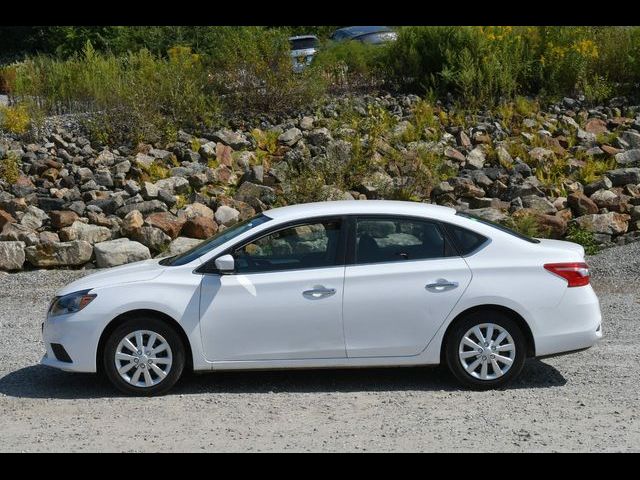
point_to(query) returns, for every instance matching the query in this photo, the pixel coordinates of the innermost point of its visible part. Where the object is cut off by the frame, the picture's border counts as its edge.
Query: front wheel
(485, 350)
(144, 356)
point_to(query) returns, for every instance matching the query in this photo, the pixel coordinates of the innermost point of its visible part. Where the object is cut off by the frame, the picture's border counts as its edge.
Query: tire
(496, 375)
(161, 370)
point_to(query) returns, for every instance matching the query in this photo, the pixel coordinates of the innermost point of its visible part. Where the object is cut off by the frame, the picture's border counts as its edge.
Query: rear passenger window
(394, 240)
(465, 240)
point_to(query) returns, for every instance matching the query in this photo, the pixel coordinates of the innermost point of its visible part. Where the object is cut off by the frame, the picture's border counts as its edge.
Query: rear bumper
(574, 324)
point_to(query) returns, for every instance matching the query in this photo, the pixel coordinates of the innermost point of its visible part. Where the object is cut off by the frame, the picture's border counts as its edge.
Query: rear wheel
(144, 356)
(486, 349)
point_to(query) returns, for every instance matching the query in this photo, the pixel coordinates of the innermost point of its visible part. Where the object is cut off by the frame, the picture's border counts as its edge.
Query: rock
(168, 223)
(607, 223)
(290, 137)
(63, 254)
(132, 222)
(181, 245)
(174, 185)
(144, 161)
(11, 255)
(149, 191)
(145, 208)
(540, 154)
(5, 218)
(200, 227)
(33, 218)
(62, 218)
(195, 210)
(623, 176)
(306, 123)
(119, 252)
(224, 155)
(49, 237)
(86, 232)
(235, 140)
(476, 158)
(630, 158)
(632, 138)
(491, 214)
(250, 192)
(320, 137)
(596, 126)
(556, 226)
(606, 199)
(226, 215)
(152, 237)
(538, 204)
(603, 183)
(454, 154)
(580, 204)
(14, 232)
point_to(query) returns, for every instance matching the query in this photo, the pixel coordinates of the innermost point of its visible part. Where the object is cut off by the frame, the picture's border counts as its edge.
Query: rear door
(402, 281)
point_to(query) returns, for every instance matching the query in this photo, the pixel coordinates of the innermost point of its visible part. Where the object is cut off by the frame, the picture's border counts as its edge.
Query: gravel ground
(583, 402)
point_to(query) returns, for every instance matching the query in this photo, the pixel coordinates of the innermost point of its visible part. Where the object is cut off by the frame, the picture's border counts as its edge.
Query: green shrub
(583, 237)
(251, 69)
(15, 119)
(10, 169)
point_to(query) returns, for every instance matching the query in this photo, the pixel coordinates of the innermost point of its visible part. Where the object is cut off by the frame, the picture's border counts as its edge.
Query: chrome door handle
(319, 292)
(441, 285)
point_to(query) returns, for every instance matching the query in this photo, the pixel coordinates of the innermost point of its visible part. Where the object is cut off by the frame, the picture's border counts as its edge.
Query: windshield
(303, 43)
(499, 227)
(215, 241)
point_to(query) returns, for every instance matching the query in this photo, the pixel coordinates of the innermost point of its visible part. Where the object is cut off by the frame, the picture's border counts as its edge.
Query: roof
(354, 207)
(303, 37)
(357, 31)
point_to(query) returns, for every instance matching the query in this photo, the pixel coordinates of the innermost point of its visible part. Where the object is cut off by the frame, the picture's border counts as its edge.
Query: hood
(564, 246)
(130, 273)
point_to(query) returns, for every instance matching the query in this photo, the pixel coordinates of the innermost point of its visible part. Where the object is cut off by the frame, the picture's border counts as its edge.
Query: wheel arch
(522, 323)
(123, 317)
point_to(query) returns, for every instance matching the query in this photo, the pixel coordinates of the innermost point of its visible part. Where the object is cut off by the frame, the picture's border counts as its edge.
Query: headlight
(72, 303)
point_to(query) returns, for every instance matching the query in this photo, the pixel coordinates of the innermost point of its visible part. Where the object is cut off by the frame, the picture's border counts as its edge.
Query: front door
(403, 282)
(284, 301)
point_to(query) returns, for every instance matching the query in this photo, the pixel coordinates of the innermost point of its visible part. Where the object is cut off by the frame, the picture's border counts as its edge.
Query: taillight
(576, 274)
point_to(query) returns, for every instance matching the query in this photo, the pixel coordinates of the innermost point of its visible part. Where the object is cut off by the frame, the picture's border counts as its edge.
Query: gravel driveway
(587, 401)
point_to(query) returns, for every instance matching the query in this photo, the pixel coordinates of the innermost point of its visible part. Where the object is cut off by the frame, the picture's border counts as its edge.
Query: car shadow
(43, 382)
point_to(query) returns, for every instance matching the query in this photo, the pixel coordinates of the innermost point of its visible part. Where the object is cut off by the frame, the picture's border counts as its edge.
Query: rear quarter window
(465, 241)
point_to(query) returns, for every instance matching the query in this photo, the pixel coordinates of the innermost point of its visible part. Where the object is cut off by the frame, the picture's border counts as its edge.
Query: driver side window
(310, 245)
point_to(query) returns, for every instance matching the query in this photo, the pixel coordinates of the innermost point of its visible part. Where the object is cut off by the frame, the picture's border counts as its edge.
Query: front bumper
(79, 334)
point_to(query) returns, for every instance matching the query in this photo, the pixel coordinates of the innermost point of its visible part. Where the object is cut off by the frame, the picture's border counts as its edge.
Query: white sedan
(333, 284)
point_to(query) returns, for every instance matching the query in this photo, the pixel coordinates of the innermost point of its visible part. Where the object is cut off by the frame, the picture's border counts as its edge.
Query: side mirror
(225, 264)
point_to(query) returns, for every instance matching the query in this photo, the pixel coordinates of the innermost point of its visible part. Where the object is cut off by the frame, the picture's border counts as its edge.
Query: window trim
(340, 253)
(350, 259)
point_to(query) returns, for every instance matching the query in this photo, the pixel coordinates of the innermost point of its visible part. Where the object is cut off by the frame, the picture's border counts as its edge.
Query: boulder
(606, 223)
(580, 204)
(195, 210)
(235, 140)
(174, 185)
(86, 232)
(132, 222)
(226, 215)
(538, 204)
(167, 222)
(11, 255)
(5, 218)
(290, 137)
(62, 254)
(200, 227)
(630, 158)
(181, 245)
(476, 158)
(18, 233)
(145, 208)
(152, 237)
(62, 218)
(632, 138)
(622, 176)
(119, 252)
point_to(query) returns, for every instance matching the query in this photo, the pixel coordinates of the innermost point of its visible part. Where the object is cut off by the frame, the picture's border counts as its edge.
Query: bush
(10, 169)
(583, 237)
(15, 119)
(252, 71)
(131, 98)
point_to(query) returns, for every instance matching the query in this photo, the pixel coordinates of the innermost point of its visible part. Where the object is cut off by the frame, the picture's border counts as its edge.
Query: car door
(284, 301)
(401, 282)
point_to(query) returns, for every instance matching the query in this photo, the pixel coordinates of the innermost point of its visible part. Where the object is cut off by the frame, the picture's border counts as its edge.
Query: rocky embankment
(75, 203)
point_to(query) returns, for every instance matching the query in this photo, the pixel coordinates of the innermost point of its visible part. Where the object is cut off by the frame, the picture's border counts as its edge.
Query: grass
(10, 169)
(15, 119)
(583, 237)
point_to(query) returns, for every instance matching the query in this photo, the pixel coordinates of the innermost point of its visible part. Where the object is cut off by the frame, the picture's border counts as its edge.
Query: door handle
(441, 285)
(318, 292)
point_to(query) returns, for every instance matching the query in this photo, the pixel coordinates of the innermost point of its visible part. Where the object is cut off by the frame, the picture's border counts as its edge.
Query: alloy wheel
(143, 358)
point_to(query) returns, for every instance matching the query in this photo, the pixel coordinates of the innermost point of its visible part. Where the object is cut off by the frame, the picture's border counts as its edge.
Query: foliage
(10, 169)
(583, 237)
(526, 224)
(15, 119)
